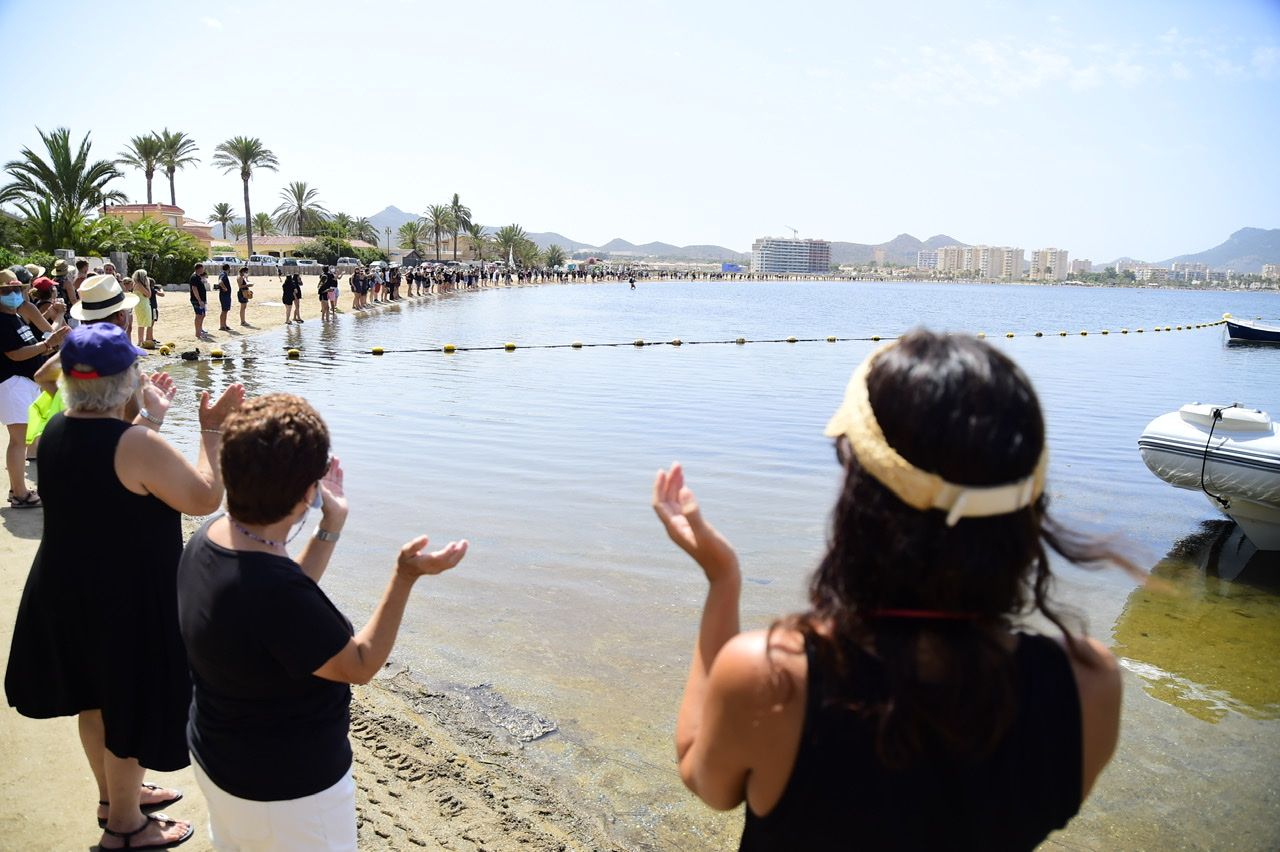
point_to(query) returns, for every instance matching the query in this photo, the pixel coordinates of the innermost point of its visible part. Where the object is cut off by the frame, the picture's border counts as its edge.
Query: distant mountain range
(1244, 251)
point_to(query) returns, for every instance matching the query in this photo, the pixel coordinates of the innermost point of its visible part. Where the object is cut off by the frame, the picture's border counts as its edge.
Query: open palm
(680, 514)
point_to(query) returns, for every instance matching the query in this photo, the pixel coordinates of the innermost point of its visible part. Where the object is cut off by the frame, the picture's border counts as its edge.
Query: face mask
(12, 300)
(317, 502)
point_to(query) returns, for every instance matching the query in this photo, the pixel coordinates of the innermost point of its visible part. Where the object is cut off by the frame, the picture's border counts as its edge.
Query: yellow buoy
(981, 334)
(1084, 333)
(791, 340)
(215, 353)
(831, 338)
(165, 350)
(875, 337)
(1008, 334)
(1166, 328)
(1062, 334)
(639, 342)
(740, 341)
(1124, 331)
(172, 345)
(510, 347)
(1039, 334)
(449, 347)
(1104, 331)
(377, 350)
(294, 354)
(677, 342)
(1138, 330)
(577, 344)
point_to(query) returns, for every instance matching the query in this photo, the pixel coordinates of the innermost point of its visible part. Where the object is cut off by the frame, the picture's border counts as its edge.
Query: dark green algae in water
(1205, 637)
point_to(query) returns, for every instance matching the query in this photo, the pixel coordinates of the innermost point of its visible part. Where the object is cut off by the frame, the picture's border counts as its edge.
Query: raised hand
(413, 562)
(213, 416)
(158, 390)
(678, 510)
(332, 494)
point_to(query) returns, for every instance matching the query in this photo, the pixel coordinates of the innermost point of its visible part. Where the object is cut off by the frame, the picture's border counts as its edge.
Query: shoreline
(430, 771)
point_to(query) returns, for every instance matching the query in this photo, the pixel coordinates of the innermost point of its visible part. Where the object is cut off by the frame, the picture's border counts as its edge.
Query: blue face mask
(12, 300)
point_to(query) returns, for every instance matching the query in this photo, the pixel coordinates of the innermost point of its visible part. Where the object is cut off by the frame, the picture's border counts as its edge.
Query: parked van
(348, 261)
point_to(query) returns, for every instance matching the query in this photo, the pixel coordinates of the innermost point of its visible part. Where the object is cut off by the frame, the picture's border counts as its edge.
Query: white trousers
(324, 820)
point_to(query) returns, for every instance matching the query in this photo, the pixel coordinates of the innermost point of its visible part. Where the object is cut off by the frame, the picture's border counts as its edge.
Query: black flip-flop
(146, 809)
(31, 501)
(161, 818)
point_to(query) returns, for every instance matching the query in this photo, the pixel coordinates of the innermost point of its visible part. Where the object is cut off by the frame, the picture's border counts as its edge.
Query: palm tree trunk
(437, 246)
(173, 196)
(149, 176)
(455, 245)
(248, 217)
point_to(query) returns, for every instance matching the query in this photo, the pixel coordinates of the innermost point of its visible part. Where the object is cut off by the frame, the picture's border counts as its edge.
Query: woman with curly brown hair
(271, 657)
(904, 709)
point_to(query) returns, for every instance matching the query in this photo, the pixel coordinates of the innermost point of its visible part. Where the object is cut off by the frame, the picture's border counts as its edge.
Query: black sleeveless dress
(840, 796)
(98, 624)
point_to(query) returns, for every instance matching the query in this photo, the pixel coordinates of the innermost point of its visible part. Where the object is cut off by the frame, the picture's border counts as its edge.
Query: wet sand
(431, 771)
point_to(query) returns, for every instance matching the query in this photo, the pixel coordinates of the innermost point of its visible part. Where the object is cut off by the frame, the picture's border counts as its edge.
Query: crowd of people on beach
(903, 708)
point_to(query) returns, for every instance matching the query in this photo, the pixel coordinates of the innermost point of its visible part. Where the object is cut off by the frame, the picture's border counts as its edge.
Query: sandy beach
(432, 771)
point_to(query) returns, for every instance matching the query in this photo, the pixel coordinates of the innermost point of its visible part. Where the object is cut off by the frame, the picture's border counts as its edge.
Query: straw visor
(920, 489)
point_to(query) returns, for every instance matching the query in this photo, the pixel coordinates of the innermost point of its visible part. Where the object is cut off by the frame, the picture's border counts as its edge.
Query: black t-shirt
(16, 334)
(198, 288)
(262, 726)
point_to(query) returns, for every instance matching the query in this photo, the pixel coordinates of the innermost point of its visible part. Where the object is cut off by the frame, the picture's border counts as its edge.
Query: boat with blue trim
(1251, 330)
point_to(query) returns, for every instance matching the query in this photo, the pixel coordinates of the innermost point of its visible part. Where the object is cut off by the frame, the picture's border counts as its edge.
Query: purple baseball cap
(98, 350)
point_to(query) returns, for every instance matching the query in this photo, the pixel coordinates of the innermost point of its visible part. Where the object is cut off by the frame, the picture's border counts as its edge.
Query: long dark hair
(936, 686)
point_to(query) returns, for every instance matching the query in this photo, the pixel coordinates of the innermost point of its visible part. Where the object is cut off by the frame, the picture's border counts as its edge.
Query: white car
(229, 259)
(308, 263)
(264, 260)
(348, 261)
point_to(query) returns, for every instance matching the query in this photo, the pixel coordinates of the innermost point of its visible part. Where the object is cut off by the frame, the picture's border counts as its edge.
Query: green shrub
(327, 250)
(368, 255)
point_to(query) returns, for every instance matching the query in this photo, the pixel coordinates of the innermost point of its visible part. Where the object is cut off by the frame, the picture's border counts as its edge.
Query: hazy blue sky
(1139, 128)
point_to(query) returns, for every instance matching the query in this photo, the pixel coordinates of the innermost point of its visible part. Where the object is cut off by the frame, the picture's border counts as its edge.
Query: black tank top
(840, 796)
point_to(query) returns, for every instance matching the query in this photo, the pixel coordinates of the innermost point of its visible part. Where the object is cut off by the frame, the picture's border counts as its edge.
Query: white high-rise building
(927, 259)
(1081, 266)
(1271, 270)
(778, 255)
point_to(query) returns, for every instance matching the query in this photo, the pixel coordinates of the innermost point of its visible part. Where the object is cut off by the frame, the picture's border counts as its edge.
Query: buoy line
(294, 353)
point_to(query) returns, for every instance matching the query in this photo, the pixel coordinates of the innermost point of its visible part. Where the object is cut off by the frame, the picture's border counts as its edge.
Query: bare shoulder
(761, 665)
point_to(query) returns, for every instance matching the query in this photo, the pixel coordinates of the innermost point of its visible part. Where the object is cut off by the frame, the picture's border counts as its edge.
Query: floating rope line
(294, 352)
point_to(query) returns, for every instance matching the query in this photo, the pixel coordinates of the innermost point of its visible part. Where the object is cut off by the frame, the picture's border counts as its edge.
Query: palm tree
(554, 257)
(412, 234)
(143, 154)
(177, 151)
(510, 239)
(55, 191)
(300, 209)
(461, 219)
(263, 225)
(478, 238)
(439, 220)
(222, 214)
(244, 154)
(237, 231)
(341, 225)
(363, 229)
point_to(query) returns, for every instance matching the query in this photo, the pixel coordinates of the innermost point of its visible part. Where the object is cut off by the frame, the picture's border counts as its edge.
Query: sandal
(31, 501)
(160, 818)
(146, 809)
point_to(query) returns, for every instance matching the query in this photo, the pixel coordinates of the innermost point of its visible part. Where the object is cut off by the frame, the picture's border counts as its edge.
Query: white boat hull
(1239, 465)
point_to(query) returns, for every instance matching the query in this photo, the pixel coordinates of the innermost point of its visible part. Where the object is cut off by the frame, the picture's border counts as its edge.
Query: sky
(1141, 129)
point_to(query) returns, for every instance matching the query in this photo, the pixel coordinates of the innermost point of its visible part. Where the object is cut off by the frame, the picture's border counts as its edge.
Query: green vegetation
(263, 226)
(222, 214)
(554, 256)
(143, 154)
(459, 218)
(439, 220)
(300, 211)
(244, 154)
(478, 239)
(412, 234)
(177, 151)
(325, 249)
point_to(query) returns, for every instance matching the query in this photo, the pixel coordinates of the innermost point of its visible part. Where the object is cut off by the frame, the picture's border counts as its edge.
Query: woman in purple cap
(97, 635)
(905, 709)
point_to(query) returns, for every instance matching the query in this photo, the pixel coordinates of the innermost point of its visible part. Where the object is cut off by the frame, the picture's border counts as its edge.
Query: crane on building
(795, 235)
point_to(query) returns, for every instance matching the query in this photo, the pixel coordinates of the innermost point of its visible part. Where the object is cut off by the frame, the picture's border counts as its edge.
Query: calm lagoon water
(574, 606)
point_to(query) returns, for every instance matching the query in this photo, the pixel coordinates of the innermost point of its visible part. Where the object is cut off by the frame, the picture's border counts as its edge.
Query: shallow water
(573, 605)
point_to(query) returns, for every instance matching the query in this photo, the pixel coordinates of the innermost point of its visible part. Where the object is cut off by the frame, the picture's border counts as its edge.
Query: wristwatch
(323, 534)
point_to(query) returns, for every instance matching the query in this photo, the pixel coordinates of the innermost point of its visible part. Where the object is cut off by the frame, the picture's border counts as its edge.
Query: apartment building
(927, 259)
(1049, 264)
(1271, 270)
(778, 255)
(1081, 267)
